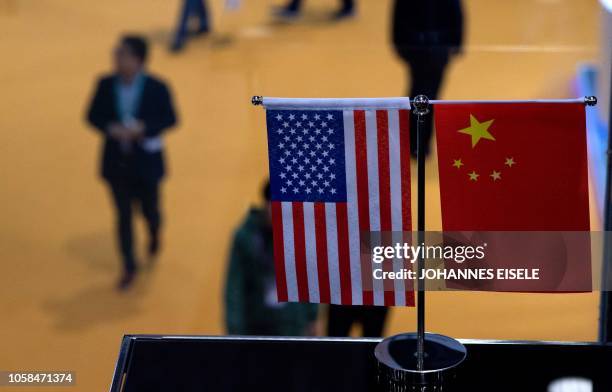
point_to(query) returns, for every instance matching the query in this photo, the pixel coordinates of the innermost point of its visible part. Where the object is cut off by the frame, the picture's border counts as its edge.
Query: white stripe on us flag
(372, 140)
(311, 252)
(351, 207)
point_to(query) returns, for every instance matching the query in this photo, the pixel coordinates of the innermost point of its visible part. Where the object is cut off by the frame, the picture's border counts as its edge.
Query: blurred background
(60, 306)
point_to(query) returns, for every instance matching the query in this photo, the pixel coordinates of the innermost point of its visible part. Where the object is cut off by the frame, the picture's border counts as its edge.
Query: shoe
(154, 246)
(177, 46)
(344, 13)
(285, 13)
(202, 30)
(126, 281)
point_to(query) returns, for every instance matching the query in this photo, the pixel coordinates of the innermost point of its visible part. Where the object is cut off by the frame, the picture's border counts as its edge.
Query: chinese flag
(513, 166)
(518, 168)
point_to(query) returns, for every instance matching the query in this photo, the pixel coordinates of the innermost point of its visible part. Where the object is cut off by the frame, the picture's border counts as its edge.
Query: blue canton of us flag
(306, 152)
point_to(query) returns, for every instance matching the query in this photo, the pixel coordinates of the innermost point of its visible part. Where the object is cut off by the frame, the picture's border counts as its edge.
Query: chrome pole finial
(590, 100)
(257, 100)
(421, 105)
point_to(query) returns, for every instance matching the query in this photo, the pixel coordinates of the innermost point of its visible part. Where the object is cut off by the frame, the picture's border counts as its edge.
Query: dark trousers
(125, 194)
(295, 5)
(342, 318)
(195, 8)
(426, 73)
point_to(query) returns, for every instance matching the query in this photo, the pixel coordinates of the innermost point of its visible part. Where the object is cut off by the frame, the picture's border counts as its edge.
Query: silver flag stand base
(398, 366)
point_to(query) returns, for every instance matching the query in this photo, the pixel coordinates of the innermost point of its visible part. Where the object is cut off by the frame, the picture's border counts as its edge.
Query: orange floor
(59, 265)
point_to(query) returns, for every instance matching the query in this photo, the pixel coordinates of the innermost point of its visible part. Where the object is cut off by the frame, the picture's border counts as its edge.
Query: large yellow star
(478, 130)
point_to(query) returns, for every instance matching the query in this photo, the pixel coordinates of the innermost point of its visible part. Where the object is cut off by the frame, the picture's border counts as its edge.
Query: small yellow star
(457, 163)
(510, 162)
(478, 130)
(473, 176)
(495, 175)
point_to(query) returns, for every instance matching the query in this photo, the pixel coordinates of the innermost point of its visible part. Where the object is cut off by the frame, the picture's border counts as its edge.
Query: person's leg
(202, 13)
(346, 10)
(373, 320)
(294, 5)
(182, 28)
(348, 5)
(289, 11)
(339, 320)
(426, 75)
(122, 198)
(149, 201)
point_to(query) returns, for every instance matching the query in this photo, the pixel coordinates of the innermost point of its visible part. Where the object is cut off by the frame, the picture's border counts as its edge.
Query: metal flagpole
(421, 109)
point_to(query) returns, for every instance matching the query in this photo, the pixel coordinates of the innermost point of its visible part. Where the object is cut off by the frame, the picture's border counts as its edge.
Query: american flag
(337, 173)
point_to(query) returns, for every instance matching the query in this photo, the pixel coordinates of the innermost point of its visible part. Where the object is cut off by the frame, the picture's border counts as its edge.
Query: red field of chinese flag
(513, 166)
(515, 174)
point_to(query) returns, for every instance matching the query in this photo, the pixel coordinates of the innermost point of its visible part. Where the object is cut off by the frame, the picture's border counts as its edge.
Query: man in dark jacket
(131, 110)
(251, 306)
(426, 34)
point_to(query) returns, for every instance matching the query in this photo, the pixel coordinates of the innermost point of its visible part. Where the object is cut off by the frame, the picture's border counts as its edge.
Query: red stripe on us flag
(343, 254)
(404, 124)
(363, 197)
(322, 260)
(409, 294)
(279, 251)
(300, 251)
(361, 161)
(384, 187)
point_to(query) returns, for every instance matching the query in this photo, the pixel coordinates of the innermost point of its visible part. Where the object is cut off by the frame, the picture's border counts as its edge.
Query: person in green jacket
(251, 306)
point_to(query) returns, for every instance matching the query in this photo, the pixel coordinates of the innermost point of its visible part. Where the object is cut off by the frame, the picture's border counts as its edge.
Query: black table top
(206, 363)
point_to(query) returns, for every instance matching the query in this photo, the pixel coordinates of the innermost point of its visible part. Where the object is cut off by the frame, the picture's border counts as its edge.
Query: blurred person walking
(292, 10)
(131, 109)
(251, 306)
(191, 9)
(426, 35)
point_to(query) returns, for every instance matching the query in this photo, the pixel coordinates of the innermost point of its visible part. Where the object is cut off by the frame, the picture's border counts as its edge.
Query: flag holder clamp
(590, 100)
(422, 362)
(257, 100)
